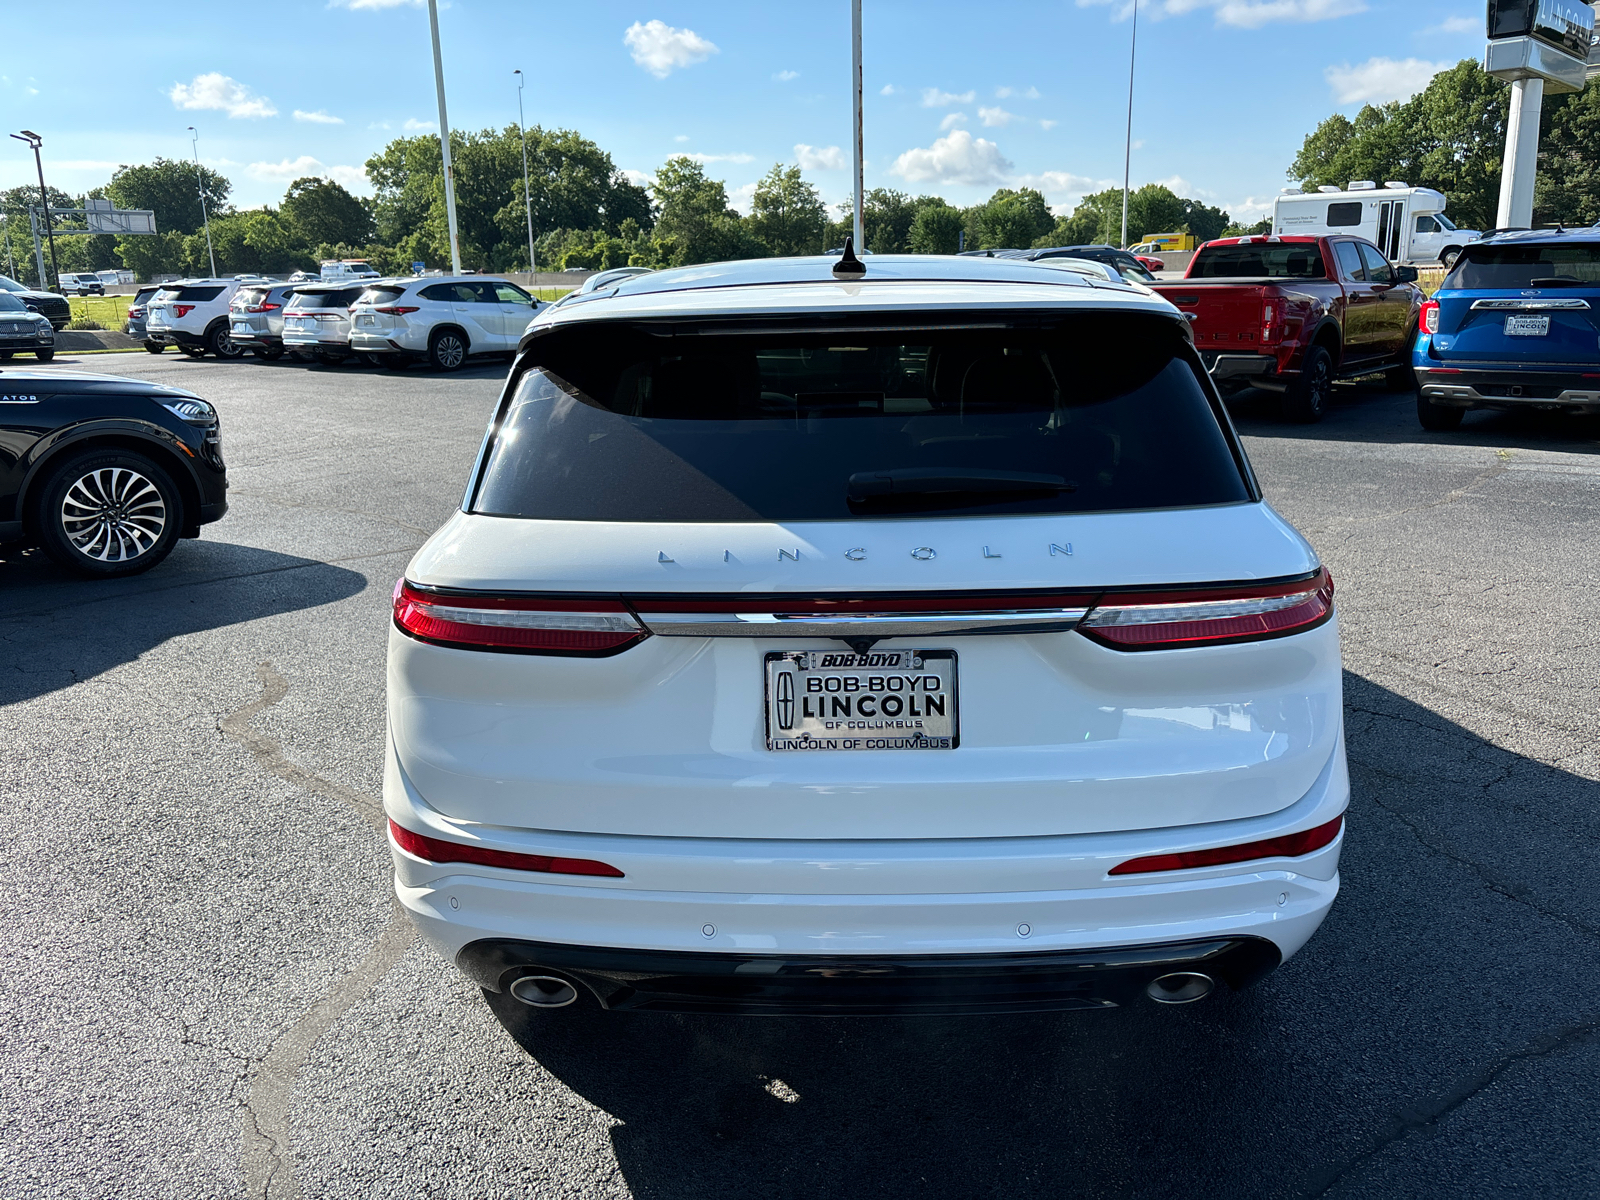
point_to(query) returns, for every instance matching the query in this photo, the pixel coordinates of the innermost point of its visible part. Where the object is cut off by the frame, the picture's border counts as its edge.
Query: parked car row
(441, 321)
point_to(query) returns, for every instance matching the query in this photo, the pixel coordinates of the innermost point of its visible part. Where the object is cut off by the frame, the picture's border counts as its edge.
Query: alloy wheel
(113, 514)
(448, 352)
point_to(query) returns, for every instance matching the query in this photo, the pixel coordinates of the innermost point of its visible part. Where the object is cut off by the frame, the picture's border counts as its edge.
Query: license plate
(879, 700)
(366, 320)
(243, 327)
(157, 322)
(1527, 326)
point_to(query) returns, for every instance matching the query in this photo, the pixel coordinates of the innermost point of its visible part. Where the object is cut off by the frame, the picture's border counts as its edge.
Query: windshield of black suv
(9, 303)
(612, 422)
(1489, 266)
(11, 285)
(1261, 260)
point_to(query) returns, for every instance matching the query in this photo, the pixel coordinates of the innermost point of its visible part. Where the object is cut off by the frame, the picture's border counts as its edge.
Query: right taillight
(516, 624)
(1213, 616)
(396, 310)
(1428, 319)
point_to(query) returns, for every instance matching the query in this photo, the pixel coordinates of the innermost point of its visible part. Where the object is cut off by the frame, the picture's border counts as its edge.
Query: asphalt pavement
(207, 991)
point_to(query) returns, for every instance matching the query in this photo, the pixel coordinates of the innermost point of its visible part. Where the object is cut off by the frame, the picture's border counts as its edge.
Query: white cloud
(740, 199)
(682, 137)
(380, 125)
(1457, 25)
(1241, 14)
(217, 91)
(1251, 206)
(320, 117)
(951, 120)
(661, 49)
(934, 98)
(1002, 93)
(996, 116)
(958, 157)
(785, 76)
(637, 178)
(1048, 125)
(289, 168)
(1062, 189)
(819, 158)
(887, 89)
(416, 126)
(350, 178)
(732, 158)
(1379, 80)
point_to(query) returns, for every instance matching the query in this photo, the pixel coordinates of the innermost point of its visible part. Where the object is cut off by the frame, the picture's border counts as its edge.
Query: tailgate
(1513, 327)
(1227, 315)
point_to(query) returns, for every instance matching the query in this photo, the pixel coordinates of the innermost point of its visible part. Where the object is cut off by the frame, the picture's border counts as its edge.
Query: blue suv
(1516, 324)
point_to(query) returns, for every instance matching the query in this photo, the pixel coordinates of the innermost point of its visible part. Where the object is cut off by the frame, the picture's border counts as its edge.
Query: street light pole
(855, 96)
(444, 140)
(35, 141)
(527, 190)
(1127, 152)
(200, 186)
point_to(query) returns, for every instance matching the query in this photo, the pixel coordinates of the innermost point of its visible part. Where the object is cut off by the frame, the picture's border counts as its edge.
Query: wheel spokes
(113, 514)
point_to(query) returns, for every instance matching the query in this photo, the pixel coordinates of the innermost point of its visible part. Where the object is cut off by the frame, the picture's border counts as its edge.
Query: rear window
(1551, 265)
(343, 298)
(143, 294)
(249, 297)
(197, 294)
(613, 423)
(380, 295)
(1296, 260)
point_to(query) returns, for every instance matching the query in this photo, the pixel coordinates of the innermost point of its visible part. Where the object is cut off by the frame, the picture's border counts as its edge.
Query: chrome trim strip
(1550, 304)
(842, 625)
(1462, 392)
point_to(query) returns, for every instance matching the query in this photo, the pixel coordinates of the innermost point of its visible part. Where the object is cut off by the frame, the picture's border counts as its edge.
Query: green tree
(168, 187)
(14, 203)
(936, 229)
(1011, 219)
(1568, 187)
(787, 214)
(319, 210)
(695, 224)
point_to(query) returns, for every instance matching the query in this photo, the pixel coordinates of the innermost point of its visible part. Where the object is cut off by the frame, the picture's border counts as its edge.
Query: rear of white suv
(192, 315)
(440, 322)
(916, 643)
(316, 321)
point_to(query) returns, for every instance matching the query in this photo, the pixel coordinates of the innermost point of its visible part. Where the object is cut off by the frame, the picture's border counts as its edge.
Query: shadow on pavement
(57, 629)
(1370, 413)
(1349, 1069)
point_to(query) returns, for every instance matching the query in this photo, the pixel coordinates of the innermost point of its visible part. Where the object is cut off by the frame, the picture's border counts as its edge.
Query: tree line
(586, 213)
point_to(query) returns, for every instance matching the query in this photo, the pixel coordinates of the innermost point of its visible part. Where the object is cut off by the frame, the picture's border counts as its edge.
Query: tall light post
(527, 189)
(444, 140)
(1127, 151)
(34, 142)
(200, 185)
(855, 100)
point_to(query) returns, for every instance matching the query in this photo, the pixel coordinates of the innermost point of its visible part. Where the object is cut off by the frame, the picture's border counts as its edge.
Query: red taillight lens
(397, 310)
(1290, 845)
(1428, 318)
(182, 310)
(440, 851)
(1170, 620)
(259, 308)
(1268, 327)
(529, 625)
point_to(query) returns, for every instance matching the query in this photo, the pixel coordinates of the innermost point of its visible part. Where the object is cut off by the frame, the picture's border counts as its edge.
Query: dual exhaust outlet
(551, 991)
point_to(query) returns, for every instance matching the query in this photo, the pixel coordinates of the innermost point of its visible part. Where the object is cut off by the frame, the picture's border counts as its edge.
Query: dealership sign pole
(1538, 47)
(444, 140)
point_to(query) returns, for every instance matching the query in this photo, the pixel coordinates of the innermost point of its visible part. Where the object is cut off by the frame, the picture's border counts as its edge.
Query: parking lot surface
(207, 991)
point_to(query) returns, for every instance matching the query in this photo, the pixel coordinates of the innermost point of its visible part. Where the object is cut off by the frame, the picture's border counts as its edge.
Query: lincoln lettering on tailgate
(873, 700)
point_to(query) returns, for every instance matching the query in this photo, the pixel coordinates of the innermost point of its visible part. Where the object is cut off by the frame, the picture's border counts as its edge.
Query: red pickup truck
(1293, 314)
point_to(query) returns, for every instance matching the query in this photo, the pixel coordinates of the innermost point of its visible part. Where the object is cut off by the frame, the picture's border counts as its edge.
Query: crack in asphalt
(1429, 1116)
(266, 1156)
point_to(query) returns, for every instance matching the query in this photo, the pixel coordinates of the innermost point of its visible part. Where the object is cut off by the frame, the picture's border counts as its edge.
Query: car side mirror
(1405, 274)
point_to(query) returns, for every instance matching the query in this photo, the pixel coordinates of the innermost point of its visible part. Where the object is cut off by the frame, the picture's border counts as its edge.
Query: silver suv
(255, 318)
(440, 321)
(316, 321)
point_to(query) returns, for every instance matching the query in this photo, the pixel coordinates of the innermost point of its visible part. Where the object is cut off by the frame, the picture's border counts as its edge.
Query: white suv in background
(192, 315)
(316, 321)
(914, 641)
(440, 321)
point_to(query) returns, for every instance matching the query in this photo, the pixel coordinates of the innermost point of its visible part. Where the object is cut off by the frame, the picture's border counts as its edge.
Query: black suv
(106, 473)
(51, 305)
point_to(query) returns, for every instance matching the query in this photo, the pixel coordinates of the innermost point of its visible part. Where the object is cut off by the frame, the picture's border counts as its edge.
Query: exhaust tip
(545, 991)
(1180, 987)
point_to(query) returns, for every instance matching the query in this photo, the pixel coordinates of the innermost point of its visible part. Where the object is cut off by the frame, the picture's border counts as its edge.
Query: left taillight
(1209, 617)
(437, 850)
(1428, 317)
(577, 626)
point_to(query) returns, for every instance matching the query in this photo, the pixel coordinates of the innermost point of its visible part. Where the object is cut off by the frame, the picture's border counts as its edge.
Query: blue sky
(961, 98)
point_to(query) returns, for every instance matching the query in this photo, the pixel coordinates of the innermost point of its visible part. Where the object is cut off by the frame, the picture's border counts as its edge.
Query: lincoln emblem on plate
(785, 703)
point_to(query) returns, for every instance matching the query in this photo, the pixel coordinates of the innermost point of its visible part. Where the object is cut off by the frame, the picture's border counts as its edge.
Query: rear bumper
(402, 341)
(823, 985)
(1509, 387)
(175, 337)
(1255, 370)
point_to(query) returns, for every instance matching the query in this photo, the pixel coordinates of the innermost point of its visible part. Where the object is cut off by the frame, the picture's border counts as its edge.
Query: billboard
(1567, 25)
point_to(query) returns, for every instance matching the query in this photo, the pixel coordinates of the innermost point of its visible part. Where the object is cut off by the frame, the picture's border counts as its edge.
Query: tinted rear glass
(381, 295)
(343, 298)
(247, 297)
(9, 303)
(1519, 266)
(611, 423)
(1345, 213)
(197, 294)
(1263, 260)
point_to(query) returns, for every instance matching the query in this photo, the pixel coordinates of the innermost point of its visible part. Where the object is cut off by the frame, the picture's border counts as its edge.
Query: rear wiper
(1562, 281)
(923, 481)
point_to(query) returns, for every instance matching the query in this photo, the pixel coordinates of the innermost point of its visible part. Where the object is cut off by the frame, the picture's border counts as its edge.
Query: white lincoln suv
(440, 321)
(811, 640)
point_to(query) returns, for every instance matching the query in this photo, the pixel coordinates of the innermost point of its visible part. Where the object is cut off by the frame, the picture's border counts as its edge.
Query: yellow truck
(1169, 242)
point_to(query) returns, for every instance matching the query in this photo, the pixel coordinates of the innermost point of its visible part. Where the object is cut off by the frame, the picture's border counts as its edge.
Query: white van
(349, 268)
(1408, 224)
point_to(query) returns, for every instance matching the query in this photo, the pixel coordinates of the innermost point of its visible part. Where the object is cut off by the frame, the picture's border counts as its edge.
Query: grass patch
(550, 293)
(85, 323)
(109, 312)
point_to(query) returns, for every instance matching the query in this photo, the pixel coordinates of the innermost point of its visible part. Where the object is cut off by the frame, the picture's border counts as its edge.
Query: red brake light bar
(397, 310)
(440, 851)
(257, 308)
(1290, 845)
(1211, 616)
(182, 310)
(516, 624)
